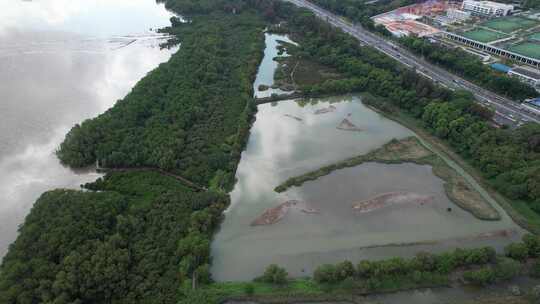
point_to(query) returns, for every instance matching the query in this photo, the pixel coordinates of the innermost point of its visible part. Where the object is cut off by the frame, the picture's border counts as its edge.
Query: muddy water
(62, 61)
(288, 139)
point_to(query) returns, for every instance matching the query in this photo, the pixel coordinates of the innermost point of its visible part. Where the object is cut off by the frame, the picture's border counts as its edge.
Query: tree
(517, 251)
(195, 252)
(325, 274)
(532, 242)
(482, 276)
(506, 269)
(249, 289)
(344, 270)
(274, 275)
(364, 269)
(535, 269)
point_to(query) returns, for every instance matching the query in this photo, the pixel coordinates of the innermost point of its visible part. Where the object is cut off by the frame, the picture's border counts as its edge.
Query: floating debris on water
(329, 109)
(294, 117)
(392, 198)
(274, 215)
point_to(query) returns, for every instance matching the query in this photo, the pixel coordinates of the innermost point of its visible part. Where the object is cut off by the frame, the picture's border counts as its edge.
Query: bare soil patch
(273, 215)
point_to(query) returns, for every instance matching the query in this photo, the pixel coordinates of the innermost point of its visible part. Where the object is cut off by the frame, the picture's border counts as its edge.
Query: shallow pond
(62, 61)
(288, 139)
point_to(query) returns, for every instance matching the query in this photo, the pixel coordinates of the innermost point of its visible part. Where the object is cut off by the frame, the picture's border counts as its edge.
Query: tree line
(476, 266)
(479, 266)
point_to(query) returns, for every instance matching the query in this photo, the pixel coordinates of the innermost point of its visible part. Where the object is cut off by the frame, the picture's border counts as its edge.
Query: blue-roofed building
(536, 101)
(532, 105)
(500, 67)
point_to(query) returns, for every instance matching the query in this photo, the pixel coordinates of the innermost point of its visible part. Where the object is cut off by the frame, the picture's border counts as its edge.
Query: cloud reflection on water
(51, 79)
(92, 17)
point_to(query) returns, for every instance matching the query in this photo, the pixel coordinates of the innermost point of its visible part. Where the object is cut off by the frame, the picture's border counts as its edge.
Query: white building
(526, 75)
(458, 15)
(452, 16)
(487, 8)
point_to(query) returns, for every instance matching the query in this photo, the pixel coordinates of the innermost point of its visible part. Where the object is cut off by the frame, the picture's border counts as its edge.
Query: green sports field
(510, 24)
(529, 49)
(535, 37)
(482, 35)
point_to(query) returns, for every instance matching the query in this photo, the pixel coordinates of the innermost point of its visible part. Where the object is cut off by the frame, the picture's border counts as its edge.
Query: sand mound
(274, 215)
(329, 109)
(390, 199)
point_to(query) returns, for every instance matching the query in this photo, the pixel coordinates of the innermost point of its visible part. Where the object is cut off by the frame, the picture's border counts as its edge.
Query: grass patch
(461, 192)
(142, 186)
(510, 24)
(529, 49)
(310, 73)
(412, 150)
(296, 71)
(483, 35)
(535, 36)
(532, 218)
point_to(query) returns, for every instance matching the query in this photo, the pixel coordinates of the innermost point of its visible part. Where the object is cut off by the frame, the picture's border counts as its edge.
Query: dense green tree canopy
(113, 246)
(191, 115)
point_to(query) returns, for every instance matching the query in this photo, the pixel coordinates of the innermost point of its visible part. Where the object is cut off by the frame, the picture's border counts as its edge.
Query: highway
(506, 111)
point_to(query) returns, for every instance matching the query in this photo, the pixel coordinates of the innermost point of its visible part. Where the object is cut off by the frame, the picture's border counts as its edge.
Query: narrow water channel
(62, 62)
(268, 66)
(290, 138)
